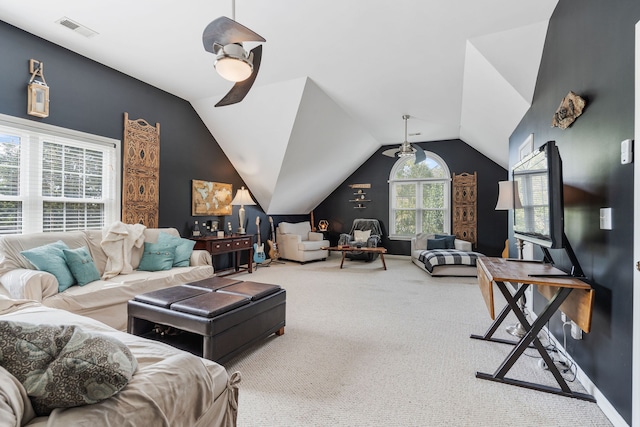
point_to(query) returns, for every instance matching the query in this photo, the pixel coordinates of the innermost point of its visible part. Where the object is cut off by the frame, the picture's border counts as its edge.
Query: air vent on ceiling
(76, 27)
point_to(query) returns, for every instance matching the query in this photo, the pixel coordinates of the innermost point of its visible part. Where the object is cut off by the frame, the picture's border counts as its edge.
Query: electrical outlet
(576, 332)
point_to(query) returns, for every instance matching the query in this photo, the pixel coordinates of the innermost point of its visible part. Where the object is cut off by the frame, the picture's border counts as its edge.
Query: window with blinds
(54, 179)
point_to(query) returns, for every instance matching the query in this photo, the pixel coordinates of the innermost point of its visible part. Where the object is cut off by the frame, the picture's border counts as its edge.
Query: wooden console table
(228, 244)
(572, 296)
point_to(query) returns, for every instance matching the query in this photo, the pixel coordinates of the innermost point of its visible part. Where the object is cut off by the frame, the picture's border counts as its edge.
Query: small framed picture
(526, 147)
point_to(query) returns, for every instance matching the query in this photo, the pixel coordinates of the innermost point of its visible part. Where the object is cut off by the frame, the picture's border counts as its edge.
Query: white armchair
(296, 242)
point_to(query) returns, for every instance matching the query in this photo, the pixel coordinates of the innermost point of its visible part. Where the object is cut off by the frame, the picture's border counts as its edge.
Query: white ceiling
(336, 76)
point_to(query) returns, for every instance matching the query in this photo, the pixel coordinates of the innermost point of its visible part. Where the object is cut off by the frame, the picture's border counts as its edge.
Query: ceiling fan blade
(391, 152)
(224, 31)
(240, 89)
(420, 154)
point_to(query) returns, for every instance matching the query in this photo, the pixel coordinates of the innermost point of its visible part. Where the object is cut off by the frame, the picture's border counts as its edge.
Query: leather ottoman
(218, 317)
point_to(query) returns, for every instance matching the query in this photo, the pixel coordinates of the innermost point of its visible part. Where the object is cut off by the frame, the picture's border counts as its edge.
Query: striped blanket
(435, 257)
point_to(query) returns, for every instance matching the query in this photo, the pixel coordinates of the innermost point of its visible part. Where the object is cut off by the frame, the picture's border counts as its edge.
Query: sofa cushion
(50, 258)
(157, 257)
(299, 228)
(449, 240)
(64, 366)
(436, 244)
(81, 265)
(312, 245)
(184, 248)
(421, 240)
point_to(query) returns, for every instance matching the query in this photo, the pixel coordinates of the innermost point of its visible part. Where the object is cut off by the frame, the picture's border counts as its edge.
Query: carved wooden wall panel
(141, 165)
(465, 224)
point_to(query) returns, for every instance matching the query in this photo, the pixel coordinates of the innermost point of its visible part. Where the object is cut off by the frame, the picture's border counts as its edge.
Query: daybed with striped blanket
(460, 261)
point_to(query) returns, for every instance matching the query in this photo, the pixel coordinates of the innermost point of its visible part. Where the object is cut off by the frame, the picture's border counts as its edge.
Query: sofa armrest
(413, 245)
(315, 236)
(23, 283)
(200, 257)
(463, 245)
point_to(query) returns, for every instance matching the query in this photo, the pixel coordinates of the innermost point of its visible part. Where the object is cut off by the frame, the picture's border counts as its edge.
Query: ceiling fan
(405, 148)
(224, 37)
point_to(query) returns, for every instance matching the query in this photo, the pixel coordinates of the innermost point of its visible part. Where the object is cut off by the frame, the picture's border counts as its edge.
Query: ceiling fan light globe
(233, 63)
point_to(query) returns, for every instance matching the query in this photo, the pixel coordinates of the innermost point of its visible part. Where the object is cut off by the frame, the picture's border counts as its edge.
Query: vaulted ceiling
(336, 76)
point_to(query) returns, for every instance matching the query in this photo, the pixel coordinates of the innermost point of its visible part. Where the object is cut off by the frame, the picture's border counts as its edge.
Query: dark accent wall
(459, 156)
(590, 50)
(90, 97)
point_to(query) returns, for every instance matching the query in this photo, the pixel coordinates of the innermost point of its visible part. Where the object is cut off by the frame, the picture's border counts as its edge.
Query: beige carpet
(368, 347)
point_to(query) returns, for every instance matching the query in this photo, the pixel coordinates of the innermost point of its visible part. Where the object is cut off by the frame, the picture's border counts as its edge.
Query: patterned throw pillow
(64, 366)
(361, 236)
(157, 257)
(184, 248)
(81, 265)
(50, 258)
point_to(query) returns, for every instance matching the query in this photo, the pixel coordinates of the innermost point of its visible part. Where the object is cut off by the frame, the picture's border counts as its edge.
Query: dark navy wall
(459, 156)
(92, 98)
(590, 50)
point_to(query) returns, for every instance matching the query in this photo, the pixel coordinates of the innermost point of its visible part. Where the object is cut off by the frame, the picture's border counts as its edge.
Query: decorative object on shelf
(141, 172)
(210, 198)
(569, 110)
(464, 207)
(323, 225)
(243, 198)
(195, 232)
(37, 91)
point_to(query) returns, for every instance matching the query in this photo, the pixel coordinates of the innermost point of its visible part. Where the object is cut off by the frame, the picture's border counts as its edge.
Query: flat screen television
(540, 219)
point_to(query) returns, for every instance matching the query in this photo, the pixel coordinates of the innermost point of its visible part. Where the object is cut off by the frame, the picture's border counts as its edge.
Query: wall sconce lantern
(37, 91)
(323, 225)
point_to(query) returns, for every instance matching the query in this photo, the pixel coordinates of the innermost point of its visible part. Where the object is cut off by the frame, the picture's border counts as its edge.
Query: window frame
(419, 182)
(33, 135)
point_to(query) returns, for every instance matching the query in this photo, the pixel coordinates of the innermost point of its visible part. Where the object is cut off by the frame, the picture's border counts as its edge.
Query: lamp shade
(508, 197)
(243, 198)
(233, 63)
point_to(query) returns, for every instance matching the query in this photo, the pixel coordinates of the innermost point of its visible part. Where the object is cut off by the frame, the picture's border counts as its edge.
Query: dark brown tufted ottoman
(217, 317)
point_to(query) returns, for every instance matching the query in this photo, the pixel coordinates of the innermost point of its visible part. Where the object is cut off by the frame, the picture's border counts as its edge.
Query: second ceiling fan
(406, 149)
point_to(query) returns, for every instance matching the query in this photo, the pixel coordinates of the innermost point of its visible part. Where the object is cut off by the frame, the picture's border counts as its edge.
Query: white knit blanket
(118, 240)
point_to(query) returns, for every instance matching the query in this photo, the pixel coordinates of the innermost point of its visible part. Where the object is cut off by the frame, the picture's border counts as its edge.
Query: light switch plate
(626, 151)
(605, 219)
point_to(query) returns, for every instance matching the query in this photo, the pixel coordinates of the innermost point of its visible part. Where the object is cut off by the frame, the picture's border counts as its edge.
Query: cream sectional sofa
(103, 300)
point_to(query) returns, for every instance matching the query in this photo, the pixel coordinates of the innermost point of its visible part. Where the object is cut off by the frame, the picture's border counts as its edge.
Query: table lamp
(508, 198)
(242, 198)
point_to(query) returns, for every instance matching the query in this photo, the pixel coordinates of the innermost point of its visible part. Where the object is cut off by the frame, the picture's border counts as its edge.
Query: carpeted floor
(368, 347)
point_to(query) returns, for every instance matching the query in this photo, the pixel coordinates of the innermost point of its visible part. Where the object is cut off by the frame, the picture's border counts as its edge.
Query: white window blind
(54, 179)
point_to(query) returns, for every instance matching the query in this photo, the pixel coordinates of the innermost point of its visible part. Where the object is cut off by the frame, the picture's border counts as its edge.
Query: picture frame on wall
(526, 147)
(211, 198)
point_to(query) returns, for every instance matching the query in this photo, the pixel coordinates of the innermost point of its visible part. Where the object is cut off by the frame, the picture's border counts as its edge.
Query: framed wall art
(210, 198)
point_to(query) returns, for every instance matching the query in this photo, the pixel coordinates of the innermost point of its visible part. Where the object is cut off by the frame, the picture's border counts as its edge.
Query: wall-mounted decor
(210, 198)
(359, 195)
(569, 110)
(37, 91)
(140, 180)
(526, 147)
(465, 226)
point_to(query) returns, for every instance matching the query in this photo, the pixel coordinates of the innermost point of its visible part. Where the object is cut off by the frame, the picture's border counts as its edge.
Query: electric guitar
(258, 248)
(273, 252)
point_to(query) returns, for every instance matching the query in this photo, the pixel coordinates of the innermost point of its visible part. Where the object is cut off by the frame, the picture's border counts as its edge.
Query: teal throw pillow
(436, 244)
(64, 366)
(184, 248)
(50, 258)
(81, 265)
(157, 257)
(449, 239)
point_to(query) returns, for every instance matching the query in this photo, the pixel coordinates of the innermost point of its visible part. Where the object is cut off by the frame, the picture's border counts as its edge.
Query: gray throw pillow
(64, 366)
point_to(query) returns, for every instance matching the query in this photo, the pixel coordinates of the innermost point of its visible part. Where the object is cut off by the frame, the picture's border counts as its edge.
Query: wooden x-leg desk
(573, 296)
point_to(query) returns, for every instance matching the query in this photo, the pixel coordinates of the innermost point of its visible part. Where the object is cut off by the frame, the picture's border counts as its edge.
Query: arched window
(419, 197)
